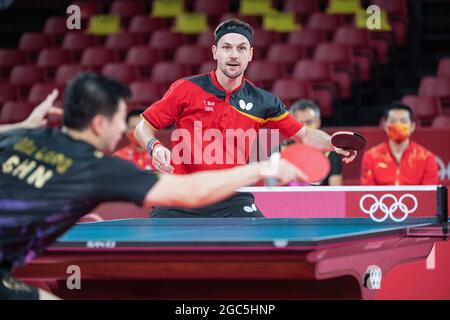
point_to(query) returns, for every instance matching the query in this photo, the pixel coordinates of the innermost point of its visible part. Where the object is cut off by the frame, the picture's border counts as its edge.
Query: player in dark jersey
(50, 178)
(208, 109)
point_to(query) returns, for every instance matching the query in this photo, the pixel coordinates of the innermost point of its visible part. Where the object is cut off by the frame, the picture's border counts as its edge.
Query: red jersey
(139, 157)
(209, 118)
(417, 166)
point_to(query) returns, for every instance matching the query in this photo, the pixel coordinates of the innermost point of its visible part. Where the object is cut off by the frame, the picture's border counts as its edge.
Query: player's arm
(367, 178)
(204, 188)
(321, 140)
(37, 118)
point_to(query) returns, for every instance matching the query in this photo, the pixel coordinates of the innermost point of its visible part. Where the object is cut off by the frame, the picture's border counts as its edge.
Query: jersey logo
(245, 106)
(209, 105)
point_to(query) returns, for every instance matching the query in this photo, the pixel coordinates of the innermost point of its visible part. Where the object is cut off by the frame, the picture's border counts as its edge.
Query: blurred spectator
(308, 113)
(399, 161)
(133, 152)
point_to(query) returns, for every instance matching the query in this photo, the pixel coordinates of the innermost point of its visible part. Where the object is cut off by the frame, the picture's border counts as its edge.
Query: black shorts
(11, 289)
(240, 205)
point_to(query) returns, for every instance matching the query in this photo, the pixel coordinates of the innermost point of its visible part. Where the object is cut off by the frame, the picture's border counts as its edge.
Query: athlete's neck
(85, 136)
(227, 83)
(398, 148)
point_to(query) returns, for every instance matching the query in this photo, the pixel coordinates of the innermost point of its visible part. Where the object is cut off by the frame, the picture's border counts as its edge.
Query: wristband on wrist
(152, 143)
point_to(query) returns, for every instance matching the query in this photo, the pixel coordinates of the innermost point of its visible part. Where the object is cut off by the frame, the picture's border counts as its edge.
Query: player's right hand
(289, 173)
(161, 159)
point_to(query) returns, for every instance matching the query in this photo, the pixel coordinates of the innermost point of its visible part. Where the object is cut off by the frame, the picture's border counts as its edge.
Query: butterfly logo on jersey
(245, 106)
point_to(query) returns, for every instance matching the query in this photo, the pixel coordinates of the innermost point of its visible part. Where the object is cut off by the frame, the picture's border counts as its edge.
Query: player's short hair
(134, 113)
(398, 105)
(234, 25)
(90, 94)
(304, 104)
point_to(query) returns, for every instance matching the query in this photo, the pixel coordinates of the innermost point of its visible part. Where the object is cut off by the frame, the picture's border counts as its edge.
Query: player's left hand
(37, 118)
(349, 155)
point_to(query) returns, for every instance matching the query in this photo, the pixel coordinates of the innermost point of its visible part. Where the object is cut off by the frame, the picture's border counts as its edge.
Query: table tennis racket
(309, 160)
(348, 140)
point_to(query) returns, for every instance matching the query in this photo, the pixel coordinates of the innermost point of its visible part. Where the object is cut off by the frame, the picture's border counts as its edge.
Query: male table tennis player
(399, 160)
(50, 178)
(221, 100)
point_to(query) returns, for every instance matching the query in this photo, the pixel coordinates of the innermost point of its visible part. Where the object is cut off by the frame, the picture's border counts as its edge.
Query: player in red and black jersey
(211, 111)
(50, 178)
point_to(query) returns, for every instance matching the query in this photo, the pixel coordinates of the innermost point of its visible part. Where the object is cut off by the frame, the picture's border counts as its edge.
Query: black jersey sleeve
(117, 179)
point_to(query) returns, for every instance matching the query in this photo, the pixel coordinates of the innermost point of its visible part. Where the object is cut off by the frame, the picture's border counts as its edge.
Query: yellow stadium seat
(104, 25)
(167, 8)
(343, 6)
(191, 23)
(362, 17)
(255, 7)
(280, 22)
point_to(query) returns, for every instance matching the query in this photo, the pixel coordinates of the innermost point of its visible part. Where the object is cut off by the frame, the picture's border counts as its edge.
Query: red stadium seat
(307, 39)
(397, 11)
(213, 9)
(95, 58)
(286, 55)
(254, 21)
(358, 39)
(327, 23)
(40, 91)
(302, 9)
(207, 67)
(291, 90)
(89, 8)
(50, 59)
(262, 40)
(67, 72)
(164, 73)
(263, 73)
(32, 42)
(344, 65)
(443, 70)
(8, 92)
(392, 7)
(57, 28)
(8, 59)
(121, 42)
(206, 39)
(191, 57)
(322, 78)
(76, 42)
(143, 26)
(120, 71)
(144, 93)
(24, 76)
(436, 87)
(442, 121)
(127, 9)
(15, 111)
(166, 42)
(425, 108)
(142, 58)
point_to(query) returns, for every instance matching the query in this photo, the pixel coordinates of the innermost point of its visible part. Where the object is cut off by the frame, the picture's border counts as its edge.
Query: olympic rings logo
(388, 210)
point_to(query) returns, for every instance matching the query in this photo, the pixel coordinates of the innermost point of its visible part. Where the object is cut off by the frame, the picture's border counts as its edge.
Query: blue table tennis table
(248, 258)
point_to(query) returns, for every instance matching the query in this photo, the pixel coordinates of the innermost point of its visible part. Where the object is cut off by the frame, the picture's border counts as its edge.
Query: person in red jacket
(133, 152)
(399, 161)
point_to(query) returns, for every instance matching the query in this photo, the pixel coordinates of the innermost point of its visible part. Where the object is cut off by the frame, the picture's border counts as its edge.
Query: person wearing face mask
(133, 152)
(399, 161)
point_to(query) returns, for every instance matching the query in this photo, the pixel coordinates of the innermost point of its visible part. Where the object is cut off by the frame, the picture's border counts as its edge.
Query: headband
(233, 28)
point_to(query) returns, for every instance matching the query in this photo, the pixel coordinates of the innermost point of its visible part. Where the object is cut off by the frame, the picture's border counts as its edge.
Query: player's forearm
(6, 127)
(143, 133)
(202, 188)
(316, 138)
